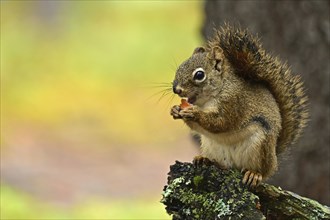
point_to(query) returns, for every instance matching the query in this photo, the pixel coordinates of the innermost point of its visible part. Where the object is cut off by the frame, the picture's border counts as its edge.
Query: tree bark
(205, 191)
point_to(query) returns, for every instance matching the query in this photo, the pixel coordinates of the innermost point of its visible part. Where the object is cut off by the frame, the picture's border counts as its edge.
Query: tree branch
(205, 191)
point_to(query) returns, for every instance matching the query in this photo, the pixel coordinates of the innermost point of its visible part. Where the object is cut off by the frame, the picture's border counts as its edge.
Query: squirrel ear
(199, 50)
(217, 56)
(217, 53)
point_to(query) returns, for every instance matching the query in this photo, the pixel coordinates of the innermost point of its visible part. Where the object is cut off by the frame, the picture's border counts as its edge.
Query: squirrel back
(250, 61)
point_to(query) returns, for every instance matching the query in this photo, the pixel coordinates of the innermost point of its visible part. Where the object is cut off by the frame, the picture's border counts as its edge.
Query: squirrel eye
(199, 75)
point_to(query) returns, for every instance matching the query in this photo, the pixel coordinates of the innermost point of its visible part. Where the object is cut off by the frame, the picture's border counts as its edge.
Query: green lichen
(187, 211)
(197, 180)
(171, 187)
(202, 192)
(222, 208)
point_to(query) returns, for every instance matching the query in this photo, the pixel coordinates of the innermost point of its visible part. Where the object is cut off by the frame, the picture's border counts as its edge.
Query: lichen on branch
(201, 192)
(205, 191)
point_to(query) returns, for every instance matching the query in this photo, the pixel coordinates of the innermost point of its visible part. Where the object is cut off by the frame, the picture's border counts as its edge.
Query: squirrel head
(202, 76)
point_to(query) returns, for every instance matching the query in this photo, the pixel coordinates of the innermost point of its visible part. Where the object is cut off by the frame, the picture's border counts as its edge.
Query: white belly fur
(233, 149)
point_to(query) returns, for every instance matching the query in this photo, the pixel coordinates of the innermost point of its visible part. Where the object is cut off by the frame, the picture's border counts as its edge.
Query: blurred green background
(85, 133)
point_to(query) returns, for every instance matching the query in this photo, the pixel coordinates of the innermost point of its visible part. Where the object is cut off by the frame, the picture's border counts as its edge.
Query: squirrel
(245, 104)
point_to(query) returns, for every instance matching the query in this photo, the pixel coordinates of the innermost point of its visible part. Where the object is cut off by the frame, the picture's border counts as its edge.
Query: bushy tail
(250, 61)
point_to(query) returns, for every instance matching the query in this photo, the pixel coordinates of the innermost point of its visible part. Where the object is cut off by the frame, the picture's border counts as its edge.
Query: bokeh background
(85, 125)
(86, 131)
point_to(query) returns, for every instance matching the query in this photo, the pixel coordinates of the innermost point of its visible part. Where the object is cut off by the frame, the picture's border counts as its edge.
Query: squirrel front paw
(175, 112)
(188, 113)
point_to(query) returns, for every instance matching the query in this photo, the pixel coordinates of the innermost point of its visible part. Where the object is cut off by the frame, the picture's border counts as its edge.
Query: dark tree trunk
(299, 32)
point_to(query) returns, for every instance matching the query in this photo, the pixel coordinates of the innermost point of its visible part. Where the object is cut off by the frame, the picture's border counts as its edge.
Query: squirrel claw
(252, 179)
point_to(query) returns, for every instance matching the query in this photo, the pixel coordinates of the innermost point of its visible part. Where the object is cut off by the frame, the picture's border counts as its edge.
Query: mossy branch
(205, 191)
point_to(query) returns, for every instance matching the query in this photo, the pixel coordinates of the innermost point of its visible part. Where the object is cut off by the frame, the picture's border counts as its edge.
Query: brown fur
(251, 62)
(248, 108)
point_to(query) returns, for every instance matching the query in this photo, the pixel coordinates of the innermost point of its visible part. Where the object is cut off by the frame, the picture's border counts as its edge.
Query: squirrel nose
(177, 89)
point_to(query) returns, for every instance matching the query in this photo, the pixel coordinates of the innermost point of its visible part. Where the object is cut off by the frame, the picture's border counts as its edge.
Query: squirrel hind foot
(200, 160)
(252, 179)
